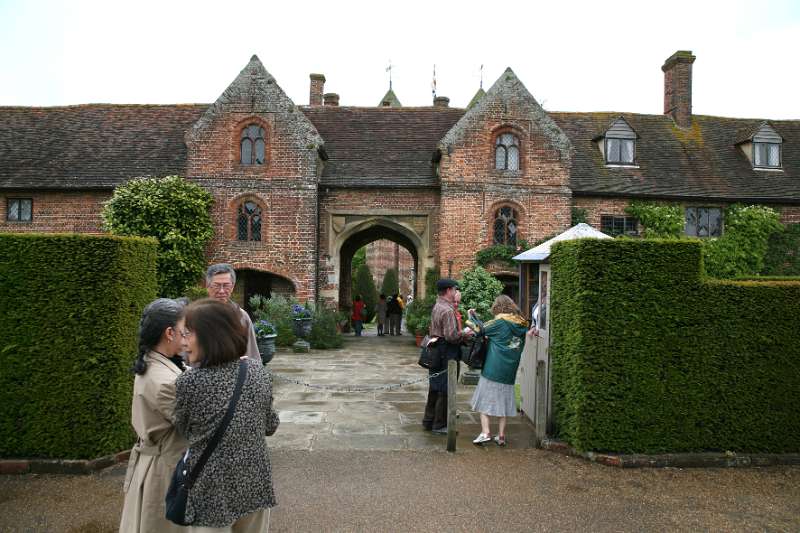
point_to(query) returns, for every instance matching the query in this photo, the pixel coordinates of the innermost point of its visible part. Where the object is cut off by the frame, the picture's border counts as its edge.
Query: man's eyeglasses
(184, 333)
(221, 286)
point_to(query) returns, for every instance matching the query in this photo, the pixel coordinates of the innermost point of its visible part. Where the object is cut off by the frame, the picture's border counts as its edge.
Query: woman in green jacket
(494, 395)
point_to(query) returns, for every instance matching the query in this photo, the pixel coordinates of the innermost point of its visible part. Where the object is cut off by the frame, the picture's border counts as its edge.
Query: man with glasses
(220, 280)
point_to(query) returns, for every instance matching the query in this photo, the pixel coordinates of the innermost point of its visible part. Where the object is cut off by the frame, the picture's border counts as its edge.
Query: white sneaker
(483, 437)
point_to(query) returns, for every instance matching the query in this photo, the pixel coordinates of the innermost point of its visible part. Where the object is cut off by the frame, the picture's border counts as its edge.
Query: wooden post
(452, 408)
(541, 404)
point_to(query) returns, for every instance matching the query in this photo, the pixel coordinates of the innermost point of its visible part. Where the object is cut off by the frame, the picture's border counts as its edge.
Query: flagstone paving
(320, 398)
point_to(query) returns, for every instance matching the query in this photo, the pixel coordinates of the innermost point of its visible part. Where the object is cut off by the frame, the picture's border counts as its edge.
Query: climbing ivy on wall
(660, 221)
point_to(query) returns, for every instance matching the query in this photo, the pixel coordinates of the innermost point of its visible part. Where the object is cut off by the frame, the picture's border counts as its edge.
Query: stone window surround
(492, 216)
(519, 134)
(233, 209)
(236, 142)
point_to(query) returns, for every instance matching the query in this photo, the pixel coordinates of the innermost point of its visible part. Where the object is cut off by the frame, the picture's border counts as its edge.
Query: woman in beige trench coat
(159, 446)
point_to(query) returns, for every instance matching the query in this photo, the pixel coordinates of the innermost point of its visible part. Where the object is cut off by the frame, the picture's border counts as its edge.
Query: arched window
(253, 145)
(506, 152)
(505, 226)
(249, 222)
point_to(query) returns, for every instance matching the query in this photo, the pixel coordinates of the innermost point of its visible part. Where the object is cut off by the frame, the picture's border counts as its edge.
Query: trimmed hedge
(69, 312)
(647, 357)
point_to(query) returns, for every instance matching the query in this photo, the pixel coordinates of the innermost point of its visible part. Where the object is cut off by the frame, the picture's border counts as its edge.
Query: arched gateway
(349, 232)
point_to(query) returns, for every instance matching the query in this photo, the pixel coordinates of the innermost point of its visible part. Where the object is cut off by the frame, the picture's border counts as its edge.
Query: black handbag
(477, 352)
(430, 355)
(182, 480)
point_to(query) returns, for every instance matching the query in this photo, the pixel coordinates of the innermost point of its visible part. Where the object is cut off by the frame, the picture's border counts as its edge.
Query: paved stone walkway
(331, 418)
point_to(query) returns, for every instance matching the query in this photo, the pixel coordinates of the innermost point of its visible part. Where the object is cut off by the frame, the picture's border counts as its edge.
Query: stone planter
(266, 347)
(302, 327)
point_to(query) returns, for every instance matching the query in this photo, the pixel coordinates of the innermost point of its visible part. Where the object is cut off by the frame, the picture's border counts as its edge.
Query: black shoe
(440, 431)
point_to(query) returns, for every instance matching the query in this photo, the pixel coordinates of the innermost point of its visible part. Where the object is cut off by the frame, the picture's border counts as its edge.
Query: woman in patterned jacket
(234, 490)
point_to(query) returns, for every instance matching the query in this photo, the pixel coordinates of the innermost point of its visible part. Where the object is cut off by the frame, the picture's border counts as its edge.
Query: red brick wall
(57, 212)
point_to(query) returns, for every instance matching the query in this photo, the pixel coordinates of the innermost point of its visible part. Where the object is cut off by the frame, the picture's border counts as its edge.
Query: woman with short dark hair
(234, 489)
(494, 395)
(159, 445)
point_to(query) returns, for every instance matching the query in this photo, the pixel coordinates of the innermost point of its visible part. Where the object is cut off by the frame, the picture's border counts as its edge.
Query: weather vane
(433, 83)
(481, 76)
(389, 70)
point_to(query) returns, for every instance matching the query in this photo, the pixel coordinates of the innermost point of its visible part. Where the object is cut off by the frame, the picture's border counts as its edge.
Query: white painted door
(536, 349)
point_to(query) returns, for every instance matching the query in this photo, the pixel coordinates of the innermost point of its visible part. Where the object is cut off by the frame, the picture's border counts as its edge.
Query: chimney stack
(317, 87)
(441, 101)
(331, 99)
(678, 87)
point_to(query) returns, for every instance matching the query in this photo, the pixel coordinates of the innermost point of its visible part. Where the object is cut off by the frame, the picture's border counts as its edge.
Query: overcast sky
(572, 56)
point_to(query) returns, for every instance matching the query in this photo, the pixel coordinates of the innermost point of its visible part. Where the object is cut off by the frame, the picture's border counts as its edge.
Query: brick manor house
(298, 189)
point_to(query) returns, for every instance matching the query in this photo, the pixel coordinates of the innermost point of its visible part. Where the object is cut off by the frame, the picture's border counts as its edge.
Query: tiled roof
(381, 146)
(700, 162)
(92, 146)
(103, 145)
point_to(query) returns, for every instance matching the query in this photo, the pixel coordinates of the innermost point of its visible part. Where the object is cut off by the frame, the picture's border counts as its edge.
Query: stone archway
(349, 232)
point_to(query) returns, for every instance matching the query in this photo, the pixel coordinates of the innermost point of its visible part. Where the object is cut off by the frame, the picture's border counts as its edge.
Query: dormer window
(506, 152)
(620, 143)
(253, 145)
(764, 148)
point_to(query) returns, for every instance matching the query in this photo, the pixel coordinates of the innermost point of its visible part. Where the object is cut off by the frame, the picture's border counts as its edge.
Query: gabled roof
(381, 146)
(92, 146)
(508, 88)
(699, 162)
(390, 100)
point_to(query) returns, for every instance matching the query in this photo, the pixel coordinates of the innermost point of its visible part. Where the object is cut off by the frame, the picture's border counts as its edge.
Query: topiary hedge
(69, 312)
(647, 357)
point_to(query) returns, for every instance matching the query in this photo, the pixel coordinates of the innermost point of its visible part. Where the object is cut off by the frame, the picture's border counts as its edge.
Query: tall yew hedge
(69, 313)
(648, 356)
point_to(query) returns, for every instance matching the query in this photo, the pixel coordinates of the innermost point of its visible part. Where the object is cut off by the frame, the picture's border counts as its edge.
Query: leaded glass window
(505, 226)
(19, 210)
(506, 152)
(619, 225)
(703, 221)
(253, 145)
(767, 155)
(249, 222)
(619, 151)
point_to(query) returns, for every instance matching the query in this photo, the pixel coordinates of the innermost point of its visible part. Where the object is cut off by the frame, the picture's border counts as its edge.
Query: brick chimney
(317, 87)
(678, 87)
(331, 99)
(441, 101)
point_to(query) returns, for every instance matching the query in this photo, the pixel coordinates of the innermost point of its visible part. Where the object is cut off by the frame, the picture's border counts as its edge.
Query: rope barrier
(356, 388)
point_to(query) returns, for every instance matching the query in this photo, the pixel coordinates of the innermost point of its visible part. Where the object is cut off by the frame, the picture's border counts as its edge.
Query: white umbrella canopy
(542, 252)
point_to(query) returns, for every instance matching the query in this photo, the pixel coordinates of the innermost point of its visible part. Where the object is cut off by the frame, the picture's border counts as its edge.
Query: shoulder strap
(212, 444)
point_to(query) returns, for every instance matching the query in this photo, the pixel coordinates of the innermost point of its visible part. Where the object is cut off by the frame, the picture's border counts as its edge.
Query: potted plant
(302, 316)
(265, 338)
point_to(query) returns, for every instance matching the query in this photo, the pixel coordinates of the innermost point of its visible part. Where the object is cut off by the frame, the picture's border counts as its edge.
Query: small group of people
(187, 365)
(389, 311)
(494, 396)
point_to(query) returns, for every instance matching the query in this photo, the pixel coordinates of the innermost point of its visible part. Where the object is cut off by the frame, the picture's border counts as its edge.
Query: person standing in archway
(395, 312)
(358, 315)
(220, 281)
(380, 310)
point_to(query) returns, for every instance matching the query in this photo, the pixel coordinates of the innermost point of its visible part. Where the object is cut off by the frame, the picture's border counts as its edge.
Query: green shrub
(324, 332)
(578, 216)
(431, 277)
(418, 314)
(742, 247)
(278, 311)
(174, 211)
(69, 312)
(646, 357)
(364, 285)
(391, 284)
(478, 291)
(783, 253)
(195, 292)
(658, 220)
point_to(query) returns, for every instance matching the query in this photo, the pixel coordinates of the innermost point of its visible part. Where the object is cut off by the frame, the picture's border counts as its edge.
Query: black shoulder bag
(477, 351)
(430, 354)
(182, 481)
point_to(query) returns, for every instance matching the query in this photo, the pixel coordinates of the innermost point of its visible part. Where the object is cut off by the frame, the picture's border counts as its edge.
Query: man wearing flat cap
(444, 325)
